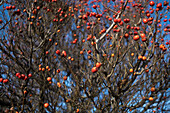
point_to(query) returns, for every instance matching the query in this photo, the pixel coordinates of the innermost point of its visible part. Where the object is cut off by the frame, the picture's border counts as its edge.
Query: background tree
(84, 56)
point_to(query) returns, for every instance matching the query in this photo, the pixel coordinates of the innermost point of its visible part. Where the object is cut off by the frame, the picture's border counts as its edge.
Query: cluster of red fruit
(4, 80)
(136, 37)
(126, 20)
(10, 7)
(95, 69)
(159, 5)
(162, 47)
(74, 41)
(84, 17)
(22, 76)
(64, 54)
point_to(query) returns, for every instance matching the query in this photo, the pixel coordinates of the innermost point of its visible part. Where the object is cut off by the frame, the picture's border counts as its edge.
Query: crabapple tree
(73, 56)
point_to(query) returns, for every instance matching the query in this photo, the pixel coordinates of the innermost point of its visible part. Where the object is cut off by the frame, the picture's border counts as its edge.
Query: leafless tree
(106, 56)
